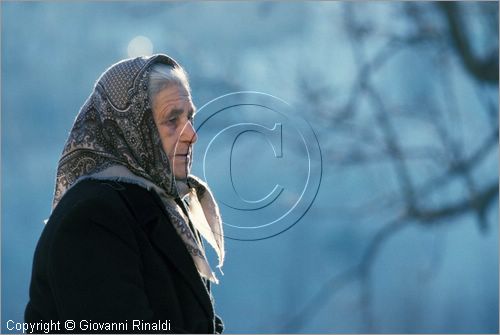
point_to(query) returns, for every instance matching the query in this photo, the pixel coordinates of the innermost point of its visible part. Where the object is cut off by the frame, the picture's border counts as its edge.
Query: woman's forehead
(173, 93)
(173, 97)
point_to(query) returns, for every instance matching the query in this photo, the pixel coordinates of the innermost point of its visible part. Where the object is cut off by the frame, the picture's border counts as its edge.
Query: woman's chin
(180, 175)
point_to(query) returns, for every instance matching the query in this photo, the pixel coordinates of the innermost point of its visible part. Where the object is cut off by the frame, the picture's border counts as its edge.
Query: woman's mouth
(183, 157)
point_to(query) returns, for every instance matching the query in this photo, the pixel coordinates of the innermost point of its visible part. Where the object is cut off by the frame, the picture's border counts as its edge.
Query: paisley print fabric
(115, 128)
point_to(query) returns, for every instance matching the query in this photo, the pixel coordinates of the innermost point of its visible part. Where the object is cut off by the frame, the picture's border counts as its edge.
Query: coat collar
(153, 218)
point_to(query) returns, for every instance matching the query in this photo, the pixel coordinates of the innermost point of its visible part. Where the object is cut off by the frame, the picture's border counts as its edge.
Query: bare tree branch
(368, 147)
(482, 69)
(481, 202)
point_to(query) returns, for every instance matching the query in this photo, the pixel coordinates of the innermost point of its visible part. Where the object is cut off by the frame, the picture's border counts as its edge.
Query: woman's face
(173, 112)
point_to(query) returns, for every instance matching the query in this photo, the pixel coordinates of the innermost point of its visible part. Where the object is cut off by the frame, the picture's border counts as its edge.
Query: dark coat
(109, 254)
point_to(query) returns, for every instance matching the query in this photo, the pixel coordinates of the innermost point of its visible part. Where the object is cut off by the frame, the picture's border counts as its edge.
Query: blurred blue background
(403, 97)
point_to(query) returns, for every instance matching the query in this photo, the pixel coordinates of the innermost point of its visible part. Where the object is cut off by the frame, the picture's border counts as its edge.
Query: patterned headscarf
(115, 128)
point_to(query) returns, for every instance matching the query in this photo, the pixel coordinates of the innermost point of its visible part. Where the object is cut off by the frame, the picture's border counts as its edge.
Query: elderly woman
(122, 250)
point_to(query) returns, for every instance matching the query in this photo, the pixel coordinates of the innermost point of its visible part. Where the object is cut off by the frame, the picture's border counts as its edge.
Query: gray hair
(162, 76)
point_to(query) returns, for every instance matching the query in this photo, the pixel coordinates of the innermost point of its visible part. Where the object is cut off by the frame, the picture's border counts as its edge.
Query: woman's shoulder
(92, 205)
(89, 194)
(100, 201)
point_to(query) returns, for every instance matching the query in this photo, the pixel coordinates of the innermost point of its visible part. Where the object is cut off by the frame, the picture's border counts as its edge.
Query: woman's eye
(171, 121)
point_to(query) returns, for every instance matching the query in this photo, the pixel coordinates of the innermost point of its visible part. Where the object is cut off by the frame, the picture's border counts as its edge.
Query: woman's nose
(189, 133)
